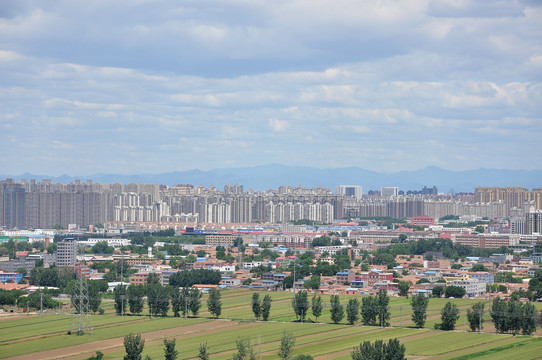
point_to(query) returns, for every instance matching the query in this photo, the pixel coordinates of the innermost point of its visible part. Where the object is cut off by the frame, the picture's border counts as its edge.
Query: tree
(256, 305)
(153, 278)
(169, 349)
(287, 342)
(368, 311)
(158, 299)
(316, 306)
(419, 305)
(383, 309)
(313, 283)
(499, 312)
(198, 276)
(449, 316)
(455, 292)
(214, 304)
(99, 356)
(203, 353)
(300, 304)
(133, 344)
(336, 309)
(438, 291)
(194, 302)
(177, 301)
(245, 350)
(120, 299)
(135, 298)
(403, 286)
(266, 307)
(101, 247)
(514, 314)
(479, 267)
(393, 350)
(321, 241)
(474, 316)
(535, 284)
(94, 296)
(528, 323)
(352, 311)
(22, 271)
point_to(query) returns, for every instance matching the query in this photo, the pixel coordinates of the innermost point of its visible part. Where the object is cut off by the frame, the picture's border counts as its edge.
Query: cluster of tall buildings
(32, 204)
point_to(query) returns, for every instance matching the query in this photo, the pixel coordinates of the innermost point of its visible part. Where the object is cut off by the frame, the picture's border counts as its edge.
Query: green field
(45, 337)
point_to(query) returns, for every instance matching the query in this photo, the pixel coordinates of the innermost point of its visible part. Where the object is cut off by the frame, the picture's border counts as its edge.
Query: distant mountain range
(272, 176)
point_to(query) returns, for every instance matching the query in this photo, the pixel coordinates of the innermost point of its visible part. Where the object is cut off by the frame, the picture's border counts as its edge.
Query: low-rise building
(483, 276)
(139, 279)
(345, 276)
(373, 277)
(473, 287)
(231, 282)
(10, 277)
(165, 275)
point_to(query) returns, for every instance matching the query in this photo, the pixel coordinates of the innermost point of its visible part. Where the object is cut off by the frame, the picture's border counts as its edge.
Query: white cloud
(278, 125)
(378, 82)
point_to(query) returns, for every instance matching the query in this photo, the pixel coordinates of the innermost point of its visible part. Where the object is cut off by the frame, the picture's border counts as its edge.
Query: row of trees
(183, 300)
(379, 350)
(261, 308)
(507, 316)
(374, 310)
(134, 345)
(514, 316)
(197, 276)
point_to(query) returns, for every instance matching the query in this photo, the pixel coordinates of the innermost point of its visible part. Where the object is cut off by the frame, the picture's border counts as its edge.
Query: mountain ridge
(264, 177)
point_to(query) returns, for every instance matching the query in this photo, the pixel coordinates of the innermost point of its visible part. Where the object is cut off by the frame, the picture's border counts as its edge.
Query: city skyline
(149, 87)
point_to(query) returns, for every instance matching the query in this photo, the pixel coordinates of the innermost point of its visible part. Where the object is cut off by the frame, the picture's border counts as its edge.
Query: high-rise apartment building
(350, 190)
(513, 197)
(389, 191)
(12, 205)
(533, 222)
(66, 254)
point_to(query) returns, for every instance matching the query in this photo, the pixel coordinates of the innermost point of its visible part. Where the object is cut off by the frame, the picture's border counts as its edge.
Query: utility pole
(401, 312)
(480, 321)
(294, 275)
(81, 319)
(41, 303)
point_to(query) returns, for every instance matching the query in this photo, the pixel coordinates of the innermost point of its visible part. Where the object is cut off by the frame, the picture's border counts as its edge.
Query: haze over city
(148, 87)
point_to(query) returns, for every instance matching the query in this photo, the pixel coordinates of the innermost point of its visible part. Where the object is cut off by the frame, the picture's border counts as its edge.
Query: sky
(137, 86)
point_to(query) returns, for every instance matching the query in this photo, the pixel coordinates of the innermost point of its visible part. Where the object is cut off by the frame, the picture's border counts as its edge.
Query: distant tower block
(350, 190)
(389, 191)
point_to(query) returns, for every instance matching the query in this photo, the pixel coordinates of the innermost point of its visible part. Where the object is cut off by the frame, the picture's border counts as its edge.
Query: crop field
(45, 337)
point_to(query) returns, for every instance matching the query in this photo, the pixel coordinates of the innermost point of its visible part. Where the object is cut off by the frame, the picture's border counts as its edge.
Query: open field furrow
(63, 332)
(113, 344)
(31, 336)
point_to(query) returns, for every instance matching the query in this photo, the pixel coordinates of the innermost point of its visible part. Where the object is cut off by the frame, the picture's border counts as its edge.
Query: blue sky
(131, 87)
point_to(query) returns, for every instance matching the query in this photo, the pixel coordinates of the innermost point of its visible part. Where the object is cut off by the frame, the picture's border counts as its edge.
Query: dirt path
(116, 344)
